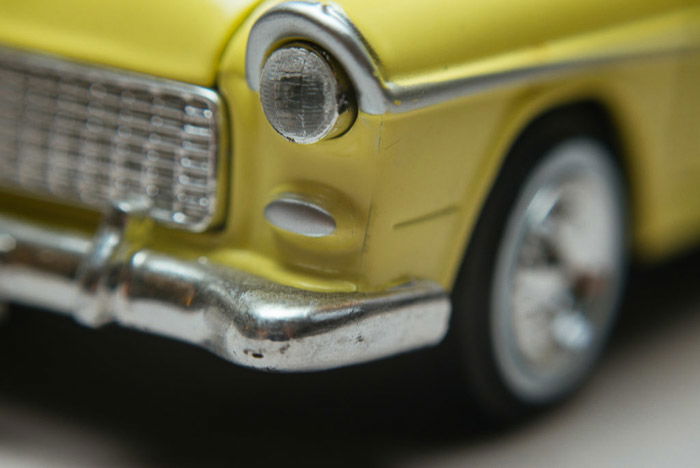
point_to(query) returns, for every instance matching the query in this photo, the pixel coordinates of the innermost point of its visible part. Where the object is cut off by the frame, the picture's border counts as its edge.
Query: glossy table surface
(74, 397)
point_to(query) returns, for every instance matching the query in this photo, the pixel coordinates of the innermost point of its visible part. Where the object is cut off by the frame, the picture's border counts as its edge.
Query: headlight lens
(305, 94)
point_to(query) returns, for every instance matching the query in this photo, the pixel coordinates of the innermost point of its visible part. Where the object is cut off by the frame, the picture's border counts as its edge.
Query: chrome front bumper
(240, 317)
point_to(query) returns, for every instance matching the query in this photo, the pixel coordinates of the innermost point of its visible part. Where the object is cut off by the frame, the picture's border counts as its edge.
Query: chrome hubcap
(558, 271)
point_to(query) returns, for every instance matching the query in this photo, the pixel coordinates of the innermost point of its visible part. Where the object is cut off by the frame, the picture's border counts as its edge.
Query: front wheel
(539, 289)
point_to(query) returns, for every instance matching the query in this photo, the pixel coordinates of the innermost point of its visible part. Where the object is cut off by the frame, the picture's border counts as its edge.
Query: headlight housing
(306, 95)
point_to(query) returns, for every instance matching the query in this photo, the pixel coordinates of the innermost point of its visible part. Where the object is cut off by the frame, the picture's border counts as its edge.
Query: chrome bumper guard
(240, 317)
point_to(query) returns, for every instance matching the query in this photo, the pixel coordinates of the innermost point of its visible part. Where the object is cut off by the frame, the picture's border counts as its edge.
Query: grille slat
(91, 136)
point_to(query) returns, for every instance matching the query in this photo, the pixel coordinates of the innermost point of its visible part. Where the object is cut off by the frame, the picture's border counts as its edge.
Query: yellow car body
(410, 185)
(408, 182)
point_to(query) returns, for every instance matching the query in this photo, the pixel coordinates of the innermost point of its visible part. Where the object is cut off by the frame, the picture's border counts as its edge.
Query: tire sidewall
(472, 299)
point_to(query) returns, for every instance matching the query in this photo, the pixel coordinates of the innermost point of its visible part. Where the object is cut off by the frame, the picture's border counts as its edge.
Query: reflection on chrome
(243, 318)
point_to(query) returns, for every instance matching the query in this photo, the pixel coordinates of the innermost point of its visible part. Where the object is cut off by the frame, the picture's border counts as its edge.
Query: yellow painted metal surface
(178, 39)
(407, 188)
(416, 181)
(424, 37)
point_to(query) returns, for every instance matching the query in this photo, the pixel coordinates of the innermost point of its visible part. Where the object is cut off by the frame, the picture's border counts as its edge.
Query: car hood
(178, 39)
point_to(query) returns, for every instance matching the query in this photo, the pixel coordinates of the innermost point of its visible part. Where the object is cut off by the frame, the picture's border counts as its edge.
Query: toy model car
(299, 186)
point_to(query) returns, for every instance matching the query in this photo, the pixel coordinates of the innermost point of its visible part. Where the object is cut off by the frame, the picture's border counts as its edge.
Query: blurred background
(73, 397)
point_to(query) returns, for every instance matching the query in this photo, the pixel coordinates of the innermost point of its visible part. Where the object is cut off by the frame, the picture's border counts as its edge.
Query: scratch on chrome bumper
(243, 318)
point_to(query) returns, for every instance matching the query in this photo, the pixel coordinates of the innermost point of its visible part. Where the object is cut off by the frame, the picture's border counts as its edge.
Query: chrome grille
(91, 136)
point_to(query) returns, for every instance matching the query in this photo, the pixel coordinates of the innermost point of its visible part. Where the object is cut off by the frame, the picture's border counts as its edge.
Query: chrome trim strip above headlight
(329, 27)
(243, 318)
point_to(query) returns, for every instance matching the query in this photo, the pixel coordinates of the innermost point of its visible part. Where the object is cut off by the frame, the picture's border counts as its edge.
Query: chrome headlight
(306, 95)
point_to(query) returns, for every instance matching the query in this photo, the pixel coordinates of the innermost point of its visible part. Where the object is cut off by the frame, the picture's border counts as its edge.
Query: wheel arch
(616, 128)
(597, 111)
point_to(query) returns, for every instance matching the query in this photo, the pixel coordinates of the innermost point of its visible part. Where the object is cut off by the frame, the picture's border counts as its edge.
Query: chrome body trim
(329, 27)
(89, 135)
(242, 318)
(326, 26)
